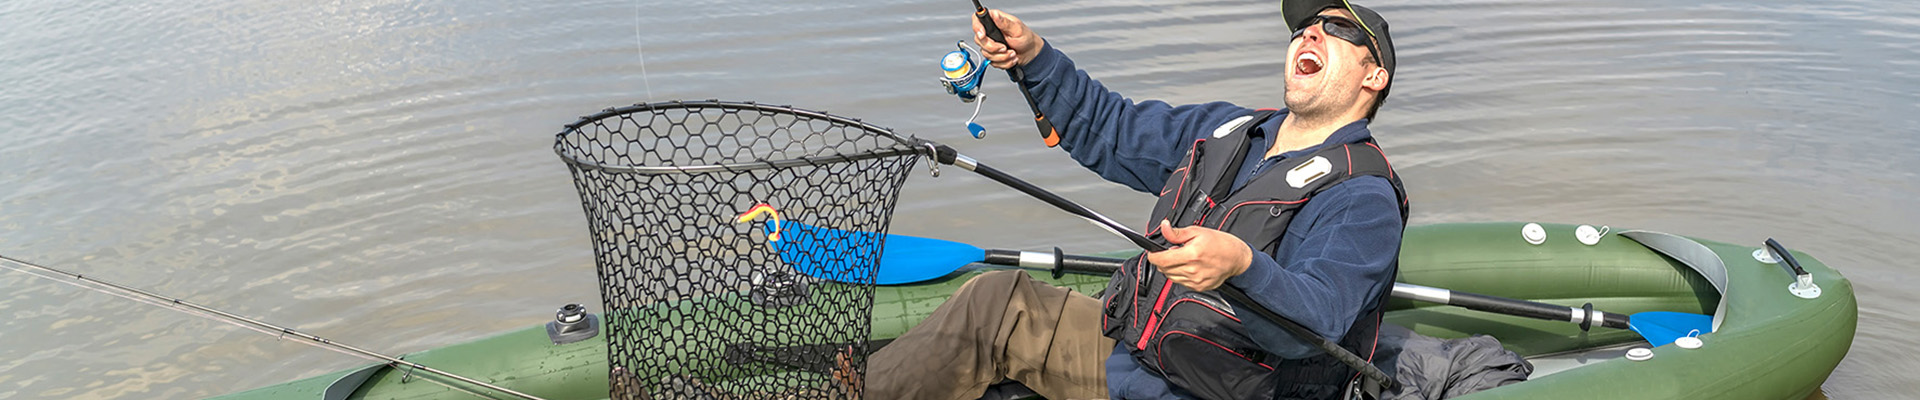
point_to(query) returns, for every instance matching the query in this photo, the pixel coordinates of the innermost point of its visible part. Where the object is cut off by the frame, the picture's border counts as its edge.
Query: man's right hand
(1022, 44)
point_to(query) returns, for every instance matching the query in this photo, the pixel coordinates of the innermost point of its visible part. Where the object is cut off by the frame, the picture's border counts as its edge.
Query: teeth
(1308, 63)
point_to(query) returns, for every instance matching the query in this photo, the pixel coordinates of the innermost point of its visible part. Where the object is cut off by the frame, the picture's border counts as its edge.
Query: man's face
(1325, 74)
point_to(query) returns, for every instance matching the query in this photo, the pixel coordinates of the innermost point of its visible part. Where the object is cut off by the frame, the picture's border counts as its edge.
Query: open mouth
(1307, 63)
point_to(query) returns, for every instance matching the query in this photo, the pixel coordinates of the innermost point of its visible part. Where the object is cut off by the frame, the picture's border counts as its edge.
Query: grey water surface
(380, 172)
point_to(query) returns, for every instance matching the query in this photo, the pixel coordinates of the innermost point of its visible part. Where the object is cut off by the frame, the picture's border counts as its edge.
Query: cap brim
(1296, 11)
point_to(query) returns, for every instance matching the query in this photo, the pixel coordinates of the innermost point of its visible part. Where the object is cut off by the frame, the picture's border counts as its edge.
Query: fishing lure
(773, 224)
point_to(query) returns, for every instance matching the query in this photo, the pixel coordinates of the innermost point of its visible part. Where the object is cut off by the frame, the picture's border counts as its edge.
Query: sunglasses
(1340, 27)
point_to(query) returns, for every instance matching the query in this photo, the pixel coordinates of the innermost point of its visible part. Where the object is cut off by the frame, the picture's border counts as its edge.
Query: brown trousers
(1000, 325)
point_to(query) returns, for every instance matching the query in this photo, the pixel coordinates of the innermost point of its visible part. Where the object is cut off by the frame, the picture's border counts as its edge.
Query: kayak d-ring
(408, 376)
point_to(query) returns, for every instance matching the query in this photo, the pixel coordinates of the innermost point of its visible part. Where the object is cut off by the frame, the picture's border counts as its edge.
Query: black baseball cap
(1296, 12)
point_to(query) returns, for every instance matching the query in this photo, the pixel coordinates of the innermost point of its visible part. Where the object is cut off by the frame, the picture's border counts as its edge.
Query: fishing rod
(189, 308)
(1047, 133)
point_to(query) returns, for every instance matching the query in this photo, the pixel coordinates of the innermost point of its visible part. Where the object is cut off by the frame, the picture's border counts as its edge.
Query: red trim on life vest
(1163, 343)
(1178, 173)
(1383, 157)
(1349, 150)
(1153, 322)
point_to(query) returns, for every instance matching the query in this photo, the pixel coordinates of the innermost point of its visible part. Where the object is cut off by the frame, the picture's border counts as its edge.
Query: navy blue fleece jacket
(1338, 251)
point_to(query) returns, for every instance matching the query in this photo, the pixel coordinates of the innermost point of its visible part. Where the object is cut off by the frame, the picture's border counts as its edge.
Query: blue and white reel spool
(963, 71)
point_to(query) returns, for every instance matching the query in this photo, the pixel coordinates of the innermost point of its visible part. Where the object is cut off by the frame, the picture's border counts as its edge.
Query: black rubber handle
(1091, 265)
(1786, 258)
(986, 21)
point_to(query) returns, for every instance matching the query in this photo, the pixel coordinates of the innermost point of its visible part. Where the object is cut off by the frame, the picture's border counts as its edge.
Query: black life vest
(1195, 339)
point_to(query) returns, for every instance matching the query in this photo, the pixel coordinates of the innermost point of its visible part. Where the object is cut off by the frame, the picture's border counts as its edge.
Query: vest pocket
(1202, 348)
(1121, 300)
(1212, 370)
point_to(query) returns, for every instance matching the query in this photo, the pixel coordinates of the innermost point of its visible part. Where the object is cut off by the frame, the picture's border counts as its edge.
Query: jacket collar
(1352, 132)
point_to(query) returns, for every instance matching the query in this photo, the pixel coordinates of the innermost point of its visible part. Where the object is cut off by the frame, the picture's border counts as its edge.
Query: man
(1295, 207)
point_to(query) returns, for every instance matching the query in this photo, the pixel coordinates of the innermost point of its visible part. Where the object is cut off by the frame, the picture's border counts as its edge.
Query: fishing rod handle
(1048, 135)
(986, 23)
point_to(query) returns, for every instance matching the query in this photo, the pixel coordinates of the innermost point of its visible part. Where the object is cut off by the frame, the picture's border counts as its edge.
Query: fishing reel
(963, 72)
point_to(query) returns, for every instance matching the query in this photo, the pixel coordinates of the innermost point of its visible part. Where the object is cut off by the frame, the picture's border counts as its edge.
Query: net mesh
(703, 216)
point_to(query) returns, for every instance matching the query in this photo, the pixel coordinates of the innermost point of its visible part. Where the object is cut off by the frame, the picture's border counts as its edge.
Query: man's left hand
(1202, 258)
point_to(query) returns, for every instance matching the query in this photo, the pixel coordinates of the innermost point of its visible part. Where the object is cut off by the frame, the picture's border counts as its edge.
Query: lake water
(379, 172)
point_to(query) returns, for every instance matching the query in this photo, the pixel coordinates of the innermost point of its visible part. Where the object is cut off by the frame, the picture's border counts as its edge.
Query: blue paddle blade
(848, 256)
(1662, 327)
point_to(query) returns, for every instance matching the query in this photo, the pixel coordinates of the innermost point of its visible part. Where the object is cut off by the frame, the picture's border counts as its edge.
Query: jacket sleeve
(1348, 238)
(1133, 144)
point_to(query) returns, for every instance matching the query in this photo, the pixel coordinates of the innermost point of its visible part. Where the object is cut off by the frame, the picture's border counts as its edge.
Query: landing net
(686, 203)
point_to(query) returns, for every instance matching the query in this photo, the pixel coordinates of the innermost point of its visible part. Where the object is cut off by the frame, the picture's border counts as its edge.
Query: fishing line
(183, 306)
(641, 48)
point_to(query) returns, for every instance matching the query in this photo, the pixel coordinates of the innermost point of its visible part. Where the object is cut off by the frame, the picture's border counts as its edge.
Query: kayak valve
(572, 324)
(778, 289)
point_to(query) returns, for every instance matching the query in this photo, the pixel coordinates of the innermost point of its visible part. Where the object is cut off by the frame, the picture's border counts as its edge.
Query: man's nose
(1312, 34)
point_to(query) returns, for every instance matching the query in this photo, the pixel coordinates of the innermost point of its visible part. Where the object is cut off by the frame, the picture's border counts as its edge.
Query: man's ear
(1377, 80)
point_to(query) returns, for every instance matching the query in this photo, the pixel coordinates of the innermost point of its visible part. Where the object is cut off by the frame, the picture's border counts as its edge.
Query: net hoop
(569, 154)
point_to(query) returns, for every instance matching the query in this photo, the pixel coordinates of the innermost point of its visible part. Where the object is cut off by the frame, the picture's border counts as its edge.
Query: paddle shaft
(1585, 316)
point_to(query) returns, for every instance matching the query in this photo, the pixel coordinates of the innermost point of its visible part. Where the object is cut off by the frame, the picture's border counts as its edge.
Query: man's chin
(1298, 100)
(1299, 92)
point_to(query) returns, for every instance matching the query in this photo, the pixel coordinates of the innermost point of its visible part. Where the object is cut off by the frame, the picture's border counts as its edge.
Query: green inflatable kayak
(1777, 333)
